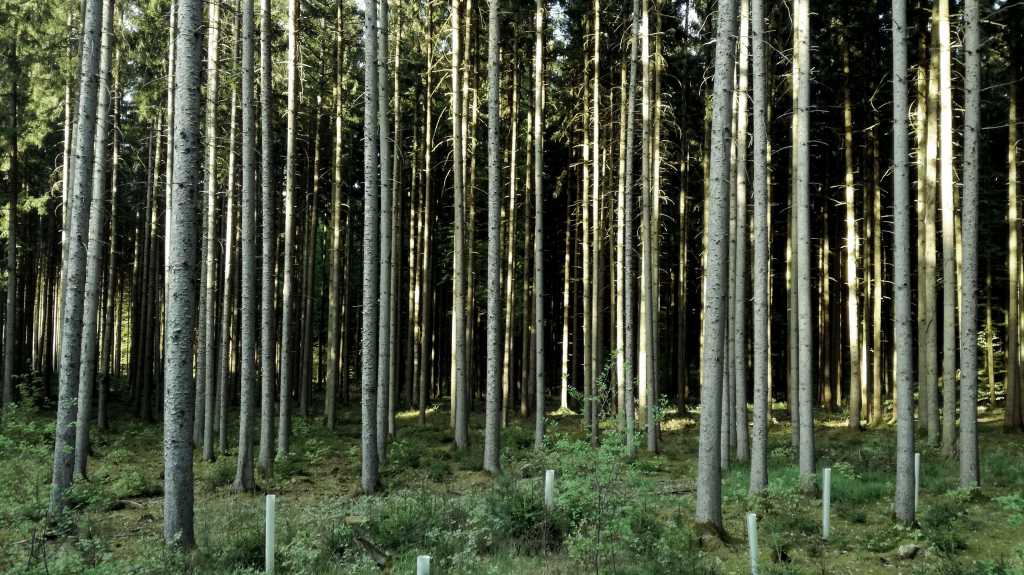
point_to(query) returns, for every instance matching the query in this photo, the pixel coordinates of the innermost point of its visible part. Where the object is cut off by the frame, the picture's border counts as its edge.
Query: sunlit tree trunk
(930, 394)
(739, 282)
(538, 214)
(1013, 417)
(709, 480)
(853, 313)
(949, 279)
(461, 422)
(94, 256)
(902, 329)
(182, 273)
(386, 203)
(74, 266)
(803, 248)
(492, 427)
(510, 244)
(334, 311)
(247, 240)
(762, 359)
(627, 234)
(969, 474)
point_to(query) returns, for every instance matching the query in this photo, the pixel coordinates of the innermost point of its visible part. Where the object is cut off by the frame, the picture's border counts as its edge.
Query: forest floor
(610, 517)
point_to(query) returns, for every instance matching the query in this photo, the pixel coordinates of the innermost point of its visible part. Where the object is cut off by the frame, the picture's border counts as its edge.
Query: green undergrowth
(612, 514)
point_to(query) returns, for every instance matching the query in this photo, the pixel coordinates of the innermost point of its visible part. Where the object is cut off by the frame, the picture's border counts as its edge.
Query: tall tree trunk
(94, 256)
(762, 359)
(852, 307)
(426, 287)
(538, 219)
(111, 360)
(969, 474)
(227, 309)
(930, 394)
(288, 267)
(181, 273)
(386, 184)
(247, 240)
(709, 484)
(74, 267)
(739, 331)
(492, 426)
(268, 345)
(510, 245)
(949, 280)
(1013, 418)
(458, 266)
(902, 328)
(208, 387)
(627, 234)
(803, 244)
(371, 255)
(334, 312)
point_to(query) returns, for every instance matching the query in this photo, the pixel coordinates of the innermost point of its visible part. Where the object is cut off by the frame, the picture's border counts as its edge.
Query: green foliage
(1014, 505)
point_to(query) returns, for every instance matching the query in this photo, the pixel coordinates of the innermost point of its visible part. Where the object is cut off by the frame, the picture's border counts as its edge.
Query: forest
(508, 286)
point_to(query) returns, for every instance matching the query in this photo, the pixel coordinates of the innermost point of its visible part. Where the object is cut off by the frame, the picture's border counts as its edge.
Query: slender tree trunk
(803, 248)
(371, 255)
(930, 403)
(762, 359)
(902, 334)
(268, 345)
(459, 268)
(969, 468)
(386, 183)
(110, 359)
(877, 411)
(181, 273)
(208, 387)
(627, 234)
(949, 280)
(492, 427)
(334, 311)
(1013, 418)
(709, 484)
(74, 268)
(510, 245)
(94, 257)
(538, 219)
(852, 307)
(287, 300)
(227, 309)
(247, 240)
(739, 331)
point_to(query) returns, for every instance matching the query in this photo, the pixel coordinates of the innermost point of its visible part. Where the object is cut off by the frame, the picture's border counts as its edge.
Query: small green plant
(1014, 505)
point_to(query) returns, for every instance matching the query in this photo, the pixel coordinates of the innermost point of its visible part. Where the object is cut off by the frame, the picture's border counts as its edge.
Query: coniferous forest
(511, 286)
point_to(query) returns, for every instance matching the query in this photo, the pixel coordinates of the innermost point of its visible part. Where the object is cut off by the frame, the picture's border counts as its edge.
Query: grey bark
(334, 327)
(227, 308)
(386, 264)
(969, 477)
(739, 331)
(181, 270)
(458, 266)
(492, 424)
(709, 479)
(74, 268)
(94, 254)
(902, 329)
(247, 345)
(762, 360)
(209, 387)
(853, 314)
(371, 254)
(287, 298)
(627, 232)
(268, 349)
(803, 244)
(949, 281)
(538, 223)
